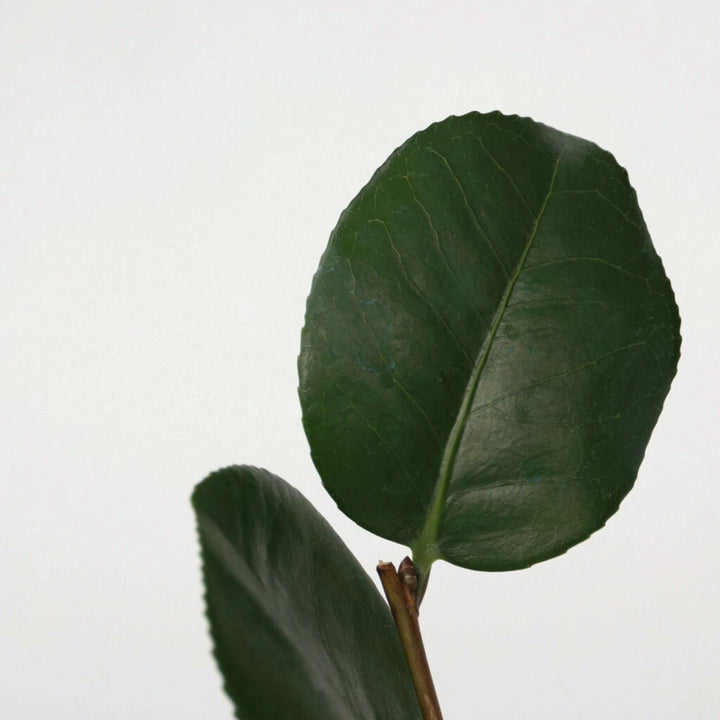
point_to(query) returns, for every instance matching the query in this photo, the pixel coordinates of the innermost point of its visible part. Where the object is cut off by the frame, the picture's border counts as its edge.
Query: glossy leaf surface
(489, 340)
(299, 629)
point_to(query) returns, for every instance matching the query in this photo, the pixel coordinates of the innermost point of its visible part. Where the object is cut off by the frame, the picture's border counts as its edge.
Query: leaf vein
(586, 258)
(389, 447)
(420, 294)
(509, 177)
(443, 254)
(388, 365)
(425, 545)
(608, 201)
(556, 376)
(471, 212)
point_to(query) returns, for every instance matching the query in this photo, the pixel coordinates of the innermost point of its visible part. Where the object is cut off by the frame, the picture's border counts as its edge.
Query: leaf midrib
(424, 549)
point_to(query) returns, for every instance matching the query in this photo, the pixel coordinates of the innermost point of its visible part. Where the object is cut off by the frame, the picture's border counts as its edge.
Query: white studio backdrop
(169, 175)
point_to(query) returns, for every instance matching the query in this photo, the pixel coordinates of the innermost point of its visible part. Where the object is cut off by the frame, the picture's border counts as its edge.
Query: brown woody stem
(400, 590)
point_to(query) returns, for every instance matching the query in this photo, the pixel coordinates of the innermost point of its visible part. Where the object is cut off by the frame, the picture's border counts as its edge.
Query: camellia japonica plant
(488, 342)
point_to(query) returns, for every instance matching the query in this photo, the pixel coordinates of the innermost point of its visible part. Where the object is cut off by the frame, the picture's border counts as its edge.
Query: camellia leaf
(300, 630)
(489, 340)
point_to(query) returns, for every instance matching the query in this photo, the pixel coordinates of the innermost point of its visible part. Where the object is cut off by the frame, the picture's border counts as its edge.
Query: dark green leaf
(488, 343)
(300, 630)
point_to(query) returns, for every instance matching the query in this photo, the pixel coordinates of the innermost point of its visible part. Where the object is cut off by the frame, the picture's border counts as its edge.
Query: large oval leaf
(300, 630)
(488, 343)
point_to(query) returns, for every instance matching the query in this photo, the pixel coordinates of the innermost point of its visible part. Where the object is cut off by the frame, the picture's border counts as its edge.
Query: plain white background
(169, 175)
